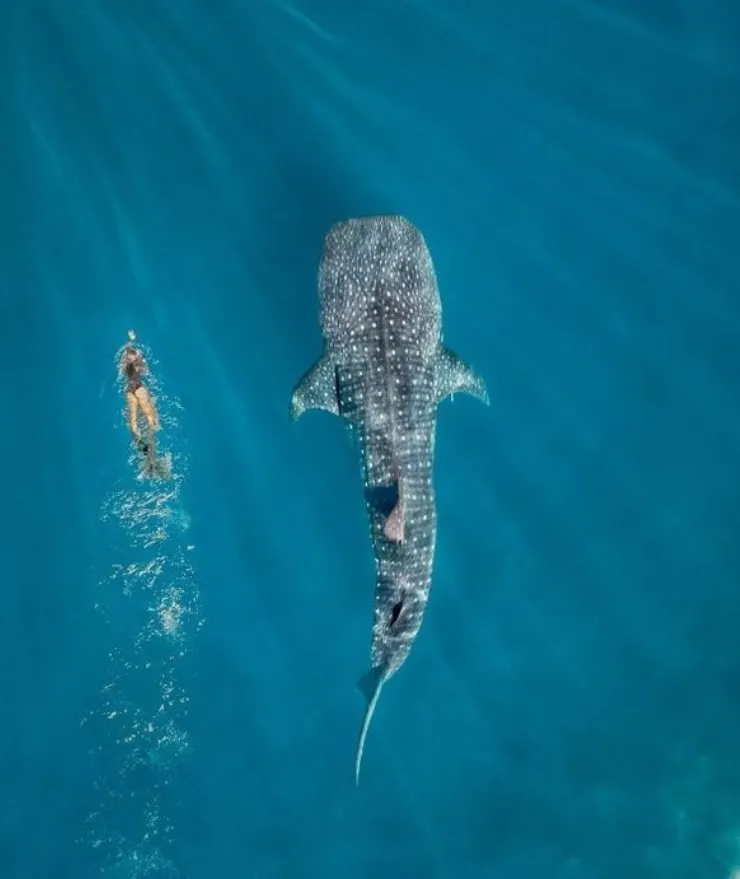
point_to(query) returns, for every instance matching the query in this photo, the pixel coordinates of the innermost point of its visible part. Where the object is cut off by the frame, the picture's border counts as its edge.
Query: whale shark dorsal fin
(382, 498)
(454, 376)
(316, 390)
(395, 525)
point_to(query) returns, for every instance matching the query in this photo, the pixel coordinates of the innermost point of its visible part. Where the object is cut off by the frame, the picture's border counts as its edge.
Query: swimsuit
(134, 383)
(134, 369)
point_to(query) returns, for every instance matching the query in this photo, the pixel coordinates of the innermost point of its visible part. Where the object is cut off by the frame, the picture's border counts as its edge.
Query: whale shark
(384, 369)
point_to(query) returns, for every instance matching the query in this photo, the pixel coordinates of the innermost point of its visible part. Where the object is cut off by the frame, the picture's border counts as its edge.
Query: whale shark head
(369, 260)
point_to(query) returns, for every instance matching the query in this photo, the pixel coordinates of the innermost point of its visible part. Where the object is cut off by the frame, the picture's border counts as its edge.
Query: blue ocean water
(179, 662)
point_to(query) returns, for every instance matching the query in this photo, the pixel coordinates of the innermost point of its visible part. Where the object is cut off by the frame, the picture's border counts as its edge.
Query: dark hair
(132, 361)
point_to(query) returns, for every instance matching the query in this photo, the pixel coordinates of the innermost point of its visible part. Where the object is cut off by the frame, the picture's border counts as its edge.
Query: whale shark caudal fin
(454, 376)
(370, 686)
(317, 389)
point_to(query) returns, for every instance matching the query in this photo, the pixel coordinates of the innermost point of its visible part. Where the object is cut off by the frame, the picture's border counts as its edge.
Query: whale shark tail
(370, 686)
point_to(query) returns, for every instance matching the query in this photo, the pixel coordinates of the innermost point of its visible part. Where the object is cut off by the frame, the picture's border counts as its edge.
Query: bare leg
(144, 399)
(133, 414)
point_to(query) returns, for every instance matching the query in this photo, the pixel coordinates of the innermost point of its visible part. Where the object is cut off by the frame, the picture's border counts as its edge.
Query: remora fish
(384, 370)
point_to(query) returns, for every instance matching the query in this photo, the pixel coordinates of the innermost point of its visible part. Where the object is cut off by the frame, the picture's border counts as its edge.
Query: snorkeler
(139, 401)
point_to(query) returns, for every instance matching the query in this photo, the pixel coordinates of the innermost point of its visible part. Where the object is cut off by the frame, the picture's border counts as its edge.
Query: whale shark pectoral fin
(369, 685)
(454, 376)
(316, 390)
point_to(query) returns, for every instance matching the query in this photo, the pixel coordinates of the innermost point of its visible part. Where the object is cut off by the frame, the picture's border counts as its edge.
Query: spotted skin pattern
(384, 370)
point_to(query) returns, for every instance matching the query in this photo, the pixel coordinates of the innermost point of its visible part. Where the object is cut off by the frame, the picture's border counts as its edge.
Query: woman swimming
(133, 368)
